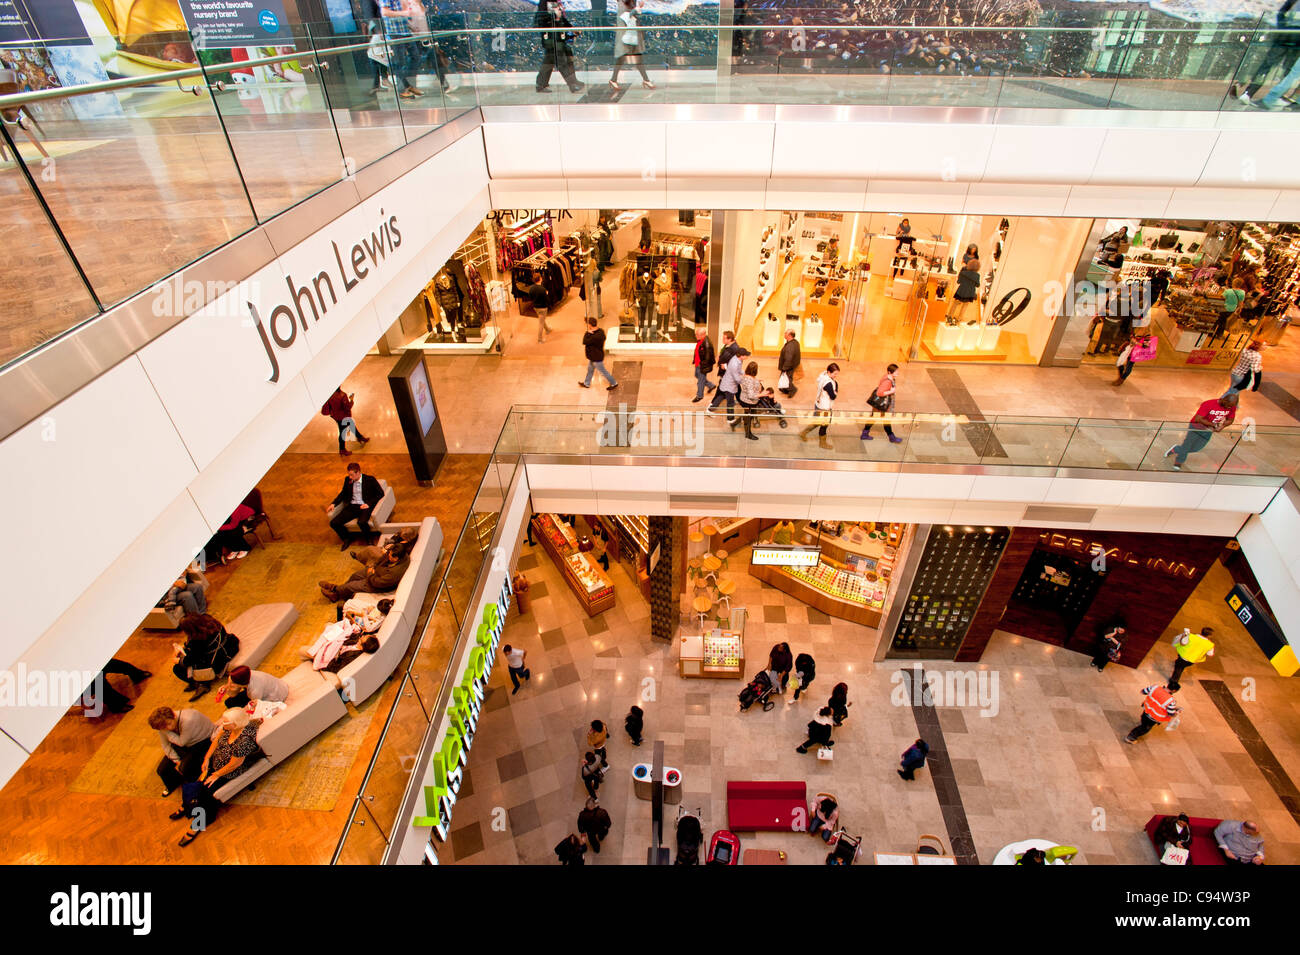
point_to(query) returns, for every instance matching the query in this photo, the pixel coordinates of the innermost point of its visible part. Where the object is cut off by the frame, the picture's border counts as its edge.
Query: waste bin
(520, 584)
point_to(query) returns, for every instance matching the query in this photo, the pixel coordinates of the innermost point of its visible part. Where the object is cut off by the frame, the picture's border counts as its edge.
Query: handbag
(377, 51)
(1168, 240)
(629, 38)
(878, 401)
(1145, 352)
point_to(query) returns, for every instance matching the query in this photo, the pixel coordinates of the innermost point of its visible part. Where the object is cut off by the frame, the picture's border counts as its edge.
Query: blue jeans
(1275, 94)
(598, 366)
(702, 383)
(1193, 441)
(729, 396)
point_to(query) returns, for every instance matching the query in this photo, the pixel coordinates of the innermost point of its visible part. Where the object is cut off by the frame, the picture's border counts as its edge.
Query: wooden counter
(813, 597)
(735, 532)
(548, 533)
(691, 657)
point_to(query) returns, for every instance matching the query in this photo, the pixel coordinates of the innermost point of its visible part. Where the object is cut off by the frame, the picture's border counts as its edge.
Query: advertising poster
(55, 21)
(224, 24)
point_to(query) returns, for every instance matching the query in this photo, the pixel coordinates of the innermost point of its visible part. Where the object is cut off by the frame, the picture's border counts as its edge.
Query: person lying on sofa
(381, 577)
(233, 741)
(366, 620)
(329, 655)
(246, 686)
(207, 651)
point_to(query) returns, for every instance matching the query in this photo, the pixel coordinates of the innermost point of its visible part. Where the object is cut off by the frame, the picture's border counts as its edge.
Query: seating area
(766, 806)
(1205, 851)
(383, 510)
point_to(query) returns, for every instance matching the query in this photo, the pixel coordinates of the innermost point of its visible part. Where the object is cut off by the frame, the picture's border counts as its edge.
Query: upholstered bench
(383, 510)
(259, 629)
(769, 806)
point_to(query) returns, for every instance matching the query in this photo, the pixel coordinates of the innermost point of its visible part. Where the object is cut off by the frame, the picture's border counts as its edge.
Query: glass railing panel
(946, 439)
(363, 842)
(398, 753)
(140, 181)
(1265, 451)
(1110, 444)
(1188, 66)
(1196, 450)
(41, 293)
(1028, 442)
(1268, 65)
(277, 118)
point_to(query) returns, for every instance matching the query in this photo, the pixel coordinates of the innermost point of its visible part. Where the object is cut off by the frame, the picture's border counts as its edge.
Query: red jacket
(338, 407)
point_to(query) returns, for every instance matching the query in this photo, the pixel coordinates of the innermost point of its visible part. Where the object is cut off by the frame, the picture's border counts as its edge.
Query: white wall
(1271, 543)
(117, 487)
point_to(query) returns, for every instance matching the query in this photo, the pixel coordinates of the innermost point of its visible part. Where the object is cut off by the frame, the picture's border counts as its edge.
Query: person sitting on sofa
(248, 686)
(229, 543)
(207, 651)
(402, 542)
(1240, 841)
(234, 740)
(358, 498)
(1175, 831)
(185, 737)
(366, 611)
(381, 577)
(186, 592)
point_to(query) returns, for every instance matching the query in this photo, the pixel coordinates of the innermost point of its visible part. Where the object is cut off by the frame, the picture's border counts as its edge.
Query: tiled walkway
(1051, 763)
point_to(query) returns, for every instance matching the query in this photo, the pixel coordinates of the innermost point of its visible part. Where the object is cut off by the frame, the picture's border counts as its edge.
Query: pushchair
(768, 407)
(689, 836)
(759, 690)
(845, 849)
(724, 848)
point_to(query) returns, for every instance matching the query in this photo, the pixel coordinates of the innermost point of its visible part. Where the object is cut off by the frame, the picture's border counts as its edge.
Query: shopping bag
(1173, 855)
(825, 754)
(377, 50)
(629, 38)
(783, 382)
(1173, 724)
(1145, 352)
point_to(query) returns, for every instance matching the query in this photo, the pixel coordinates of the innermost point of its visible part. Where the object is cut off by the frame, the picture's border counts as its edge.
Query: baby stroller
(759, 690)
(767, 407)
(724, 848)
(689, 836)
(844, 849)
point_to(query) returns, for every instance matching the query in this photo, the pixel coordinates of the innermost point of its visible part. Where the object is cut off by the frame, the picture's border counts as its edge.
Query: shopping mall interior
(476, 420)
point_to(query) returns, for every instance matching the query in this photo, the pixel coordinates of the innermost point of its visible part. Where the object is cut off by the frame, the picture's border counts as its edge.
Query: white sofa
(314, 705)
(383, 510)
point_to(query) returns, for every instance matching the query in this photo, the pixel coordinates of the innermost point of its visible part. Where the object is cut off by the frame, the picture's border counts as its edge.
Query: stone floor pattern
(1050, 764)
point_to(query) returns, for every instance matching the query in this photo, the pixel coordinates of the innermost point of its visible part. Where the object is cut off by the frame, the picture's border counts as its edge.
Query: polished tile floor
(1051, 763)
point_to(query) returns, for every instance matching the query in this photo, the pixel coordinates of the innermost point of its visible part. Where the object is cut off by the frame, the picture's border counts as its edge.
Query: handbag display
(1167, 241)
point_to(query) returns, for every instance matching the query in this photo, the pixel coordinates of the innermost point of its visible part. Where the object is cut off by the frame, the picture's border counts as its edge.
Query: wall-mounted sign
(509, 218)
(223, 24)
(54, 22)
(1259, 624)
(786, 556)
(1104, 557)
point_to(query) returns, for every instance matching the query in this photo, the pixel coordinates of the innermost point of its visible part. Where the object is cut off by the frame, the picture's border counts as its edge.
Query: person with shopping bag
(628, 46)
(788, 365)
(882, 402)
(1140, 348)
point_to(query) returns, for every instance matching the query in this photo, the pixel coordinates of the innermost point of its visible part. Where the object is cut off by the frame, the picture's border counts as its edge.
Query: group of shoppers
(557, 46)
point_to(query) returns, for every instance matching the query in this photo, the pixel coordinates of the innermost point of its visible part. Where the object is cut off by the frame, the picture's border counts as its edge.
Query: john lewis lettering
(361, 261)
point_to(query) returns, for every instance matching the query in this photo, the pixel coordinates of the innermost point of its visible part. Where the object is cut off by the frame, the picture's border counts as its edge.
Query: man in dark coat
(788, 363)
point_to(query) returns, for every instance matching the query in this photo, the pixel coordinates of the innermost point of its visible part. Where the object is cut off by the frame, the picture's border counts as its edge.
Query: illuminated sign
(786, 556)
(1263, 630)
(1104, 557)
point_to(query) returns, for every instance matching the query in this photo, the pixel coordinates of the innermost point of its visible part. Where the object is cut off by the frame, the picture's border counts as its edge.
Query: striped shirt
(1249, 362)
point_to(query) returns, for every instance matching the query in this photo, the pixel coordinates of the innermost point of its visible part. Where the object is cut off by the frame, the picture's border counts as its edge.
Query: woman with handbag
(882, 402)
(207, 651)
(1140, 347)
(627, 46)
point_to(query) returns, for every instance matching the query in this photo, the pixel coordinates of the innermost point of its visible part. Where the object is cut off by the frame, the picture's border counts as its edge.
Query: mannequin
(449, 299)
(663, 300)
(591, 288)
(701, 296)
(645, 303)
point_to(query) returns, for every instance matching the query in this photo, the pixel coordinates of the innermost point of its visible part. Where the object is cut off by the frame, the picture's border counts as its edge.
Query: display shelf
(718, 655)
(594, 590)
(636, 528)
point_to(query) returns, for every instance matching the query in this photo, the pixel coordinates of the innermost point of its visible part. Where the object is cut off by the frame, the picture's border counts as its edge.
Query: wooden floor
(45, 823)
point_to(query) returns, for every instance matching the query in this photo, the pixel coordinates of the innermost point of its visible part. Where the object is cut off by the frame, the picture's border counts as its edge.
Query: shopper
(1032, 856)
(556, 52)
(591, 773)
(594, 823)
(356, 500)
(101, 691)
(819, 731)
(1140, 347)
(805, 668)
(540, 299)
(571, 850)
(823, 814)
(729, 351)
(184, 736)
(233, 741)
(634, 723)
(246, 685)
(702, 360)
(1173, 832)
(1240, 841)
(593, 342)
(1211, 417)
(882, 402)
(1109, 647)
(751, 390)
(1283, 51)
(628, 47)
(972, 254)
(781, 661)
(788, 365)
(828, 390)
(1192, 648)
(396, 16)
(517, 665)
(1232, 299)
(1158, 709)
(968, 286)
(377, 53)
(230, 542)
(913, 758)
(207, 651)
(1248, 367)
(187, 591)
(905, 238)
(600, 548)
(597, 737)
(839, 702)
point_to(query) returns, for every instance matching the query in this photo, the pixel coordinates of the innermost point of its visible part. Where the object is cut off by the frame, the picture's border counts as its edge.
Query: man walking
(594, 823)
(1248, 368)
(788, 363)
(1192, 648)
(1158, 709)
(703, 361)
(517, 665)
(539, 298)
(339, 407)
(357, 499)
(729, 349)
(594, 344)
(1284, 50)
(1211, 417)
